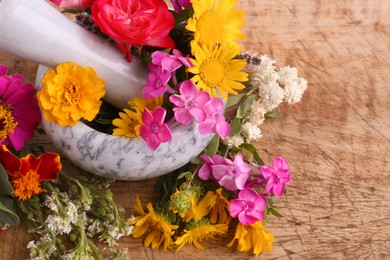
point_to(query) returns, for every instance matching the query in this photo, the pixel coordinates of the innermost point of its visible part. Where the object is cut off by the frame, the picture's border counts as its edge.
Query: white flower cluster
(272, 86)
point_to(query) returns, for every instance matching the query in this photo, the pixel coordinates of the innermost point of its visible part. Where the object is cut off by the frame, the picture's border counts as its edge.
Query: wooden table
(336, 139)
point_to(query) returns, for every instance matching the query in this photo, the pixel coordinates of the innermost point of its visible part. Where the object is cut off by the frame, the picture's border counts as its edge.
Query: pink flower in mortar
(215, 121)
(156, 82)
(189, 104)
(179, 4)
(154, 131)
(19, 113)
(134, 22)
(277, 176)
(171, 62)
(73, 4)
(249, 206)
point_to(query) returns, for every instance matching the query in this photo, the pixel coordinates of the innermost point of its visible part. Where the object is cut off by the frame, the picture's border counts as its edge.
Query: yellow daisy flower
(128, 124)
(217, 206)
(215, 21)
(254, 236)
(216, 68)
(199, 230)
(140, 103)
(157, 227)
(70, 93)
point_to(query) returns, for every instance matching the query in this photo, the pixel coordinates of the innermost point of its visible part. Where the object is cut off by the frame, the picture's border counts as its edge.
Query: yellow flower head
(199, 230)
(140, 103)
(254, 236)
(215, 21)
(217, 206)
(215, 68)
(128, 124)
(70, 93)
(156, 226)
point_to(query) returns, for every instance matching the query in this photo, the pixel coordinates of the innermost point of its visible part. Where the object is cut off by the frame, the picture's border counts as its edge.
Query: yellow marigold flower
(199, 230)
(254, 236)
(140, 103)
(217, 206)
(215, 21)
(128, 124)
(156, 226)
(70, 93)
(215, 67)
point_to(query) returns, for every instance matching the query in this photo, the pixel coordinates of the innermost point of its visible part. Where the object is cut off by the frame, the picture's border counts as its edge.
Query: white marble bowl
(123, 158)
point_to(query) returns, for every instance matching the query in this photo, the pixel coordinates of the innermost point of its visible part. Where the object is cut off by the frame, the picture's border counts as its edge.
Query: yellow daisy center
(72, 93)
(7, 122)
(210, 28)
(212, 73)
(26, 186)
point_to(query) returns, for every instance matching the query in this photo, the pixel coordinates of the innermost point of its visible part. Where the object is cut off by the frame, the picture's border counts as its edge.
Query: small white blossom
(251, 132)
(50, 202)
(94, 228)
(294, 87)
(256, 113)
(235, 140)
(271, 95)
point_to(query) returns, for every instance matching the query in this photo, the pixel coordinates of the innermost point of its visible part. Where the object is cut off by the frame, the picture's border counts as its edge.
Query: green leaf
(273, 114)
(236, 126)
(5, 186)
(196, 160)
(245, 105)
(8, 211)
(212, 147)
(251, 148)
(274, 212)
(234, 100)
(186, 175)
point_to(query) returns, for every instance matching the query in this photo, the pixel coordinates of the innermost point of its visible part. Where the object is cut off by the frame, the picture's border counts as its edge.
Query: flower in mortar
(73, 4)
(134, 22)
(217, 70)
(70, 93)
(189, 104)
(179, 4)
(156, 82)
(277, 176)
(27, 173)
(249, 206)
(153, 130)
(215, 22)
(19, 113)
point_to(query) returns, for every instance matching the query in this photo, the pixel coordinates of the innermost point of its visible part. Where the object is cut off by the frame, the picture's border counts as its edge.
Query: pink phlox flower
(153, 129)
(255, 180)
(179, 4)
(156, 82)
(232, 175)
(170, 63)
(249, 206)
(189, 104)
(205, 171)
(215, 121)
(277, 176)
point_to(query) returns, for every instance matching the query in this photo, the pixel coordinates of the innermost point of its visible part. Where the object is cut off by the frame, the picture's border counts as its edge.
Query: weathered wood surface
(336, 139)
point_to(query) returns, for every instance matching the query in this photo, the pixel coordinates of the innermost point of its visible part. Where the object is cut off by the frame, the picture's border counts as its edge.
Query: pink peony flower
(215, 121)
(134, 22)
(170, 62)
(154, 131)
(277, 176)
(249, 206)
(232, 175)
(190, 103)
(19, 113)
(73, 4)
(156, 82)
(179, 4)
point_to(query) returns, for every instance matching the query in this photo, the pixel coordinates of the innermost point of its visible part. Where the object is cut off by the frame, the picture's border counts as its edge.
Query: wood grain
(336, 139)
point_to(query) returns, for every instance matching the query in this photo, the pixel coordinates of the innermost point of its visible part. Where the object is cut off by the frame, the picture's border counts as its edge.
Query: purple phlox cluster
(162, 68)
(232, 175)
(179, 4)
(153, 130)
(277, 176)
(215, 121)
(249, 206)
(189, 104)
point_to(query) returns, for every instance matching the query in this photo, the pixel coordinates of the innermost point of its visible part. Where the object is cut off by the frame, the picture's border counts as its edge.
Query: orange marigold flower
(217, 206)
(26, 174)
